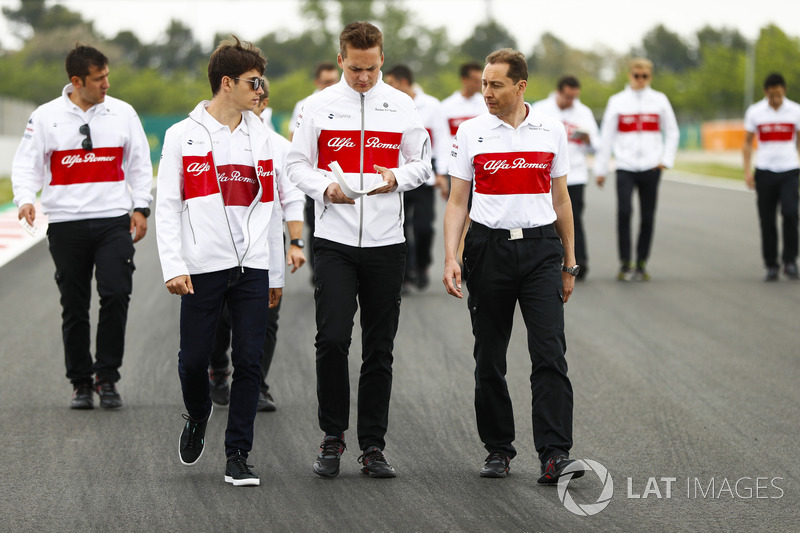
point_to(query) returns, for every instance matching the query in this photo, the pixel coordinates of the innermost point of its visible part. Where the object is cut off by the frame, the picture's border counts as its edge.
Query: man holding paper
(376, 136)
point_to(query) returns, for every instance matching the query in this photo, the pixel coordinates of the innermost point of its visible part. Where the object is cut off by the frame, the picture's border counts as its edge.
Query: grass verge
(717, 170)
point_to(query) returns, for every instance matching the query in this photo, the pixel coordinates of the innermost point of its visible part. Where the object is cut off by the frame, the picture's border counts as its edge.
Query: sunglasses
(258, 83)
(640, 76)
(87, 142)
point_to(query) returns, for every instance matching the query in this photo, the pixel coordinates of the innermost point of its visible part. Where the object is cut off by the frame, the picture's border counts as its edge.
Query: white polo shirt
(511, 170)
(776, 131)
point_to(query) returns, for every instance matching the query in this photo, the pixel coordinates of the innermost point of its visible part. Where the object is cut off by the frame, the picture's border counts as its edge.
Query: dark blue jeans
(247, 295)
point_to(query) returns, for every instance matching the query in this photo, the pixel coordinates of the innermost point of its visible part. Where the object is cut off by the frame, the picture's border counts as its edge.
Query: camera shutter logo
(587, 509)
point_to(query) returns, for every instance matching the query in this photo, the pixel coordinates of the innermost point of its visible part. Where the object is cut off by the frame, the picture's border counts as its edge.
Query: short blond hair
(640, 62)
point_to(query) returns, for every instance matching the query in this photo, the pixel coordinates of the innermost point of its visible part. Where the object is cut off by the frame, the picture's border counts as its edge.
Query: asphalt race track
(685, 391)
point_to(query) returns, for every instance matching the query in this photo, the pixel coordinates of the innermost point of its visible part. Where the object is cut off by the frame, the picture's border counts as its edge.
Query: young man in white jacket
(88, 154)
(220, 240)
(582, 135)
(639, 127)
(376, 135)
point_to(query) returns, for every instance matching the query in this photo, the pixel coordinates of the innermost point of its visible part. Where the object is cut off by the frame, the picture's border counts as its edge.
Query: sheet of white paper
(30, 229)
(346, 189)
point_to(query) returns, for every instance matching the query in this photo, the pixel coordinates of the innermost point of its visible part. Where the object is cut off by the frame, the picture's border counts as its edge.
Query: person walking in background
(582, 135)
(220, 240)
(640, 130)
(291, 201)
(419, 203)
(376, 135)
(776, 120)
(518, 249)
(88, 154)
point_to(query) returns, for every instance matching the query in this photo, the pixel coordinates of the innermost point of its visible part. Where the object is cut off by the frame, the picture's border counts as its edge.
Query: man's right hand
(335, 195)
(600, 181)
(28, 212)
(452, 278)
(180, 285)
(750, 180)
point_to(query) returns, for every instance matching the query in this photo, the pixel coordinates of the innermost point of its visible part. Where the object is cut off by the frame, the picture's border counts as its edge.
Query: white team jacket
(639, 127)
(77, 184)
(192, 228)
(357, 130)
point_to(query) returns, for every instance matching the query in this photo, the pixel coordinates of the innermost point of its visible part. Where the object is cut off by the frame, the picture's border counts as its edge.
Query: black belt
(539, 232)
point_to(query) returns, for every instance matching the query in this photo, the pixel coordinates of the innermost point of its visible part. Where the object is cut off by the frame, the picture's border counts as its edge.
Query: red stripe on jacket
(238, 183)
(638, 122)
(380, 148)
(101, 165)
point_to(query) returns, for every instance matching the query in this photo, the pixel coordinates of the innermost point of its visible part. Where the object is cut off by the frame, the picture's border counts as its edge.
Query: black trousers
(775, 189)
(102, 246)
(222, 340)
(418, 205)
(345, 277)
(576, 197)
(499, 273)
(647, 184)
(311, 224)
(246, 293)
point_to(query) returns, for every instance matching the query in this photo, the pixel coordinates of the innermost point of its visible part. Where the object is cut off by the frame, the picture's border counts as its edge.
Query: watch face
(300, 243)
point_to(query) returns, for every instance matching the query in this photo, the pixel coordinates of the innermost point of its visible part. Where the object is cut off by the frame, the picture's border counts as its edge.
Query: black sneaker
(330, 452)
(553, 469)
(220, 389)
(790, 271)
(239, 473)
(772, 274)
(266, 403)
(82, 396)
(374, 463)
(107, 392)
(496, 465)
(193, 439)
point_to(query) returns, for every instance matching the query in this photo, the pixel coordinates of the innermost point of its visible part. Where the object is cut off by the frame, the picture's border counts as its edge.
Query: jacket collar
(355, 94)
(70, 105)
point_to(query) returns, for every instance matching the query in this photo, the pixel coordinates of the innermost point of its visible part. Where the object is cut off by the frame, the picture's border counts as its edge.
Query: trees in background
(703, 74)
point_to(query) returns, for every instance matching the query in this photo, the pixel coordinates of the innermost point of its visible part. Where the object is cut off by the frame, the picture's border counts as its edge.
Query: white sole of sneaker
(184, 463)
(250, 482)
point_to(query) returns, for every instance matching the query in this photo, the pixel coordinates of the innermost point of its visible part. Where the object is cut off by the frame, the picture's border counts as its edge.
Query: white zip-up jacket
(639, 127)
(359, 130)
(77, 184)
(193, 229)
(291, 199)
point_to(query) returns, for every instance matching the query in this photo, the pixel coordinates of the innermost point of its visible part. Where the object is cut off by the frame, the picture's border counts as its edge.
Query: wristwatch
(143, 210)
(300, 243)
(571, 270)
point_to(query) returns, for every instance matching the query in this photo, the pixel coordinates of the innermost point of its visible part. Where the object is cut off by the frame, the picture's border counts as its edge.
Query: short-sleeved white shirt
(776, 131)
(511, 170)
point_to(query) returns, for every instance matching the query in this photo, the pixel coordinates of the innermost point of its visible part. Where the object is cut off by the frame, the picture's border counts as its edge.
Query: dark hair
(774, 80)
(568, 81)
(361, 36)
(233, 58)
(80, 58)
(322, 67)
(466, 68)
(517, 66)
(402, 72)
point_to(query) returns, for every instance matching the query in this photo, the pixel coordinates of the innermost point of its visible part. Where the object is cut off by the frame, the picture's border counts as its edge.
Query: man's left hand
(138, 226)
(569, 284)
(295, 257)
(388, 177)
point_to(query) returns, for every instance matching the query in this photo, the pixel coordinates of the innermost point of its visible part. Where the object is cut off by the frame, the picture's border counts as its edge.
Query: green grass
(717, 170)
(5, 191)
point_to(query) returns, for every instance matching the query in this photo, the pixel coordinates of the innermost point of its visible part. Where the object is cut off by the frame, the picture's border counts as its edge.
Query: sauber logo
(89, 157)
(337, 143)
(198, 168)
(375, 142)
(492, 166)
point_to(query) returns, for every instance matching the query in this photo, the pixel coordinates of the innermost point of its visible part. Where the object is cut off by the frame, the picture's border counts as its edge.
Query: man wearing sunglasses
(220, 241)
(640, 129)
(88, 154)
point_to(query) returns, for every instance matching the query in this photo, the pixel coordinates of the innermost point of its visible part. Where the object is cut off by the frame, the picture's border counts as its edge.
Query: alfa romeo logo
(586, 509)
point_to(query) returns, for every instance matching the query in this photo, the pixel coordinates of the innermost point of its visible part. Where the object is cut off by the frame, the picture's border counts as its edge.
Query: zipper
(361, 178)
(189, 217)
(221, 199)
